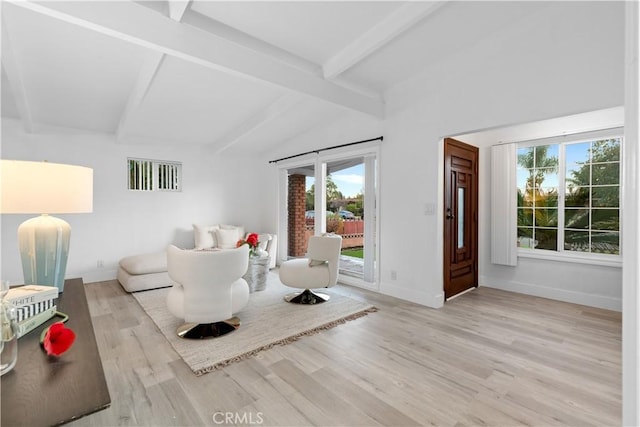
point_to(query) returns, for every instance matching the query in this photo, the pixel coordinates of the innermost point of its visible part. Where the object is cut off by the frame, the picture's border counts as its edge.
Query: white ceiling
(315, 31)
(233, 76)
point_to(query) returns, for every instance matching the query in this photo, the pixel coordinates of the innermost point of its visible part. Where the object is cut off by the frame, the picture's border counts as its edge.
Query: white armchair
(208, 290)
(318, 270)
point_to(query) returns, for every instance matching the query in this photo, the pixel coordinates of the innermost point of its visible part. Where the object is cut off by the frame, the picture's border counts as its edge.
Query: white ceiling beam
(277, 108)
(177, 9)
(227, 32)
(379, 35)
(147, 74)
(136, 24)
(12, 70)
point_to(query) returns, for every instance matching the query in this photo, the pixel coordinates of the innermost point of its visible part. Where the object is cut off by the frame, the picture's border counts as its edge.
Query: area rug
(267, 321)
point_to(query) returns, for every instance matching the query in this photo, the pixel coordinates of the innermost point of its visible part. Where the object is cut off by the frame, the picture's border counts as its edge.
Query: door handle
(449, 215)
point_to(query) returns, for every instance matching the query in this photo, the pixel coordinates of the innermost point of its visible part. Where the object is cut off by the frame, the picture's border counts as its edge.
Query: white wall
(631, 221)
(552, 65)
(349, 127)
(123, 222)
(249, 193)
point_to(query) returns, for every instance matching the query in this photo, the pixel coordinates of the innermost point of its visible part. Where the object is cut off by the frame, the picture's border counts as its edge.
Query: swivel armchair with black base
(318, 270)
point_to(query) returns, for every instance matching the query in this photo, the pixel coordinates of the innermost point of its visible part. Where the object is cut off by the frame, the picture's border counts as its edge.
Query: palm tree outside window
(569, 196)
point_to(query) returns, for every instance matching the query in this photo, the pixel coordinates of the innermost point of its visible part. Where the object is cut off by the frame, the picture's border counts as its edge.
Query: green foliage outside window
(591, 208)
(336, 200)
(538, 197)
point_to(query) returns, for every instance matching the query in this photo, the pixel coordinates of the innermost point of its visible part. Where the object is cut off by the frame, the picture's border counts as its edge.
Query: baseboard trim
(101, 275)
(358, 283)
(581, 298)
(418, 297)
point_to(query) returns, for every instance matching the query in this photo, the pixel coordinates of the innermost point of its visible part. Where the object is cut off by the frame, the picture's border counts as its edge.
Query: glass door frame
(371, 157)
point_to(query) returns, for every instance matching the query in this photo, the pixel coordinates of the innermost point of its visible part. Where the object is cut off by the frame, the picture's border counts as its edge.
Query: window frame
(561, 254)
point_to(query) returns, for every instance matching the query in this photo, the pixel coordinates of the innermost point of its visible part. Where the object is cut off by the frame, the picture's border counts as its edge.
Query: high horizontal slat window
(169, 176)
(140, 174)
(154, 175)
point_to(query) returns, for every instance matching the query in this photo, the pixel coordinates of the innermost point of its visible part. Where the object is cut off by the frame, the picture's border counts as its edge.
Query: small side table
(256, 275)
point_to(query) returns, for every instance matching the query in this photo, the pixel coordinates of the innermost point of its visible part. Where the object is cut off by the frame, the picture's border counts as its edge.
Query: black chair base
(200, 331)
(307, 297)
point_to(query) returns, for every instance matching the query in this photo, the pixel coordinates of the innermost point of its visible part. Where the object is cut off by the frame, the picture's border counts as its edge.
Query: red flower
(252, 240)
(58, 339)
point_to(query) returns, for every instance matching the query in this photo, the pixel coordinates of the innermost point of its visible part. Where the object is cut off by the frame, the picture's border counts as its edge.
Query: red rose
(58, 339)
(252, 240)
(240, 243)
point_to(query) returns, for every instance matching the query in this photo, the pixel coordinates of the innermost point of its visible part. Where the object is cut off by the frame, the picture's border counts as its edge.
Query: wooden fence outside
(351, 230)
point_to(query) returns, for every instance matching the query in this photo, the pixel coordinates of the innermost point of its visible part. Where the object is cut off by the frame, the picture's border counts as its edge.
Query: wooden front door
(461, 217)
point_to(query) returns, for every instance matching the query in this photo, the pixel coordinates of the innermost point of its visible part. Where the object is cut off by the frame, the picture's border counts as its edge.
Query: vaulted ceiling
(232, 76)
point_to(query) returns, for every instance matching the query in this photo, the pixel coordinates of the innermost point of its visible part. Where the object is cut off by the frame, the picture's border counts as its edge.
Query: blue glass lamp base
(44, 249)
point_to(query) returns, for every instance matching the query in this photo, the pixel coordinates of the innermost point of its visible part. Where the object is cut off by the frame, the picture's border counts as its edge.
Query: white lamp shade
(42, 187)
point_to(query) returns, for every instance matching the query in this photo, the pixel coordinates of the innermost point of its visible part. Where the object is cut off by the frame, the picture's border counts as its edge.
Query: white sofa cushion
(145, 263)
(227, 238)
(204, 236)
(143, 282)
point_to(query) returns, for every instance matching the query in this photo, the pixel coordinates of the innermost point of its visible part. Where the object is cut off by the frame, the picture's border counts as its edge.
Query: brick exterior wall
(297, 207)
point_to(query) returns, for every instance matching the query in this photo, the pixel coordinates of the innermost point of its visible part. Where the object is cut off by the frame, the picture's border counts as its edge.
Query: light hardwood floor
(488, 357)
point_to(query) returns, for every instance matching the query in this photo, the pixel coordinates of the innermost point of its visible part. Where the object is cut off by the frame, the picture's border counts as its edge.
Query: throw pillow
(204, 236)
(240, 229)
(227, 238)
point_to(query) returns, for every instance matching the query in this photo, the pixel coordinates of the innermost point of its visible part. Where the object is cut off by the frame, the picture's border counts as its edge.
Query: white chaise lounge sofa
(149, 271)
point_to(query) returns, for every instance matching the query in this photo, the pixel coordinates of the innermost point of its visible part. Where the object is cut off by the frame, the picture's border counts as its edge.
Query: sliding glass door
(334, 195)
(348, 209)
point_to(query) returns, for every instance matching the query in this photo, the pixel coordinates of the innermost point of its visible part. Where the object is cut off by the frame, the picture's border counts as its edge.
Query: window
(153, 175)
(569, 196)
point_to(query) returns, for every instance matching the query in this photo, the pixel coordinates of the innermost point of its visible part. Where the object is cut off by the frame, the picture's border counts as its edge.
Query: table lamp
(45, 188)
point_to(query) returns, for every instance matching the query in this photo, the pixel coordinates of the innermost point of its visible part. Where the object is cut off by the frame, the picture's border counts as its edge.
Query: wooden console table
(43, 391)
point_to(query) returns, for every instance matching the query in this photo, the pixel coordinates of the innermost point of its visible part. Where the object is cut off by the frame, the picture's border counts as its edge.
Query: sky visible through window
(350, 181)
(575, 156)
